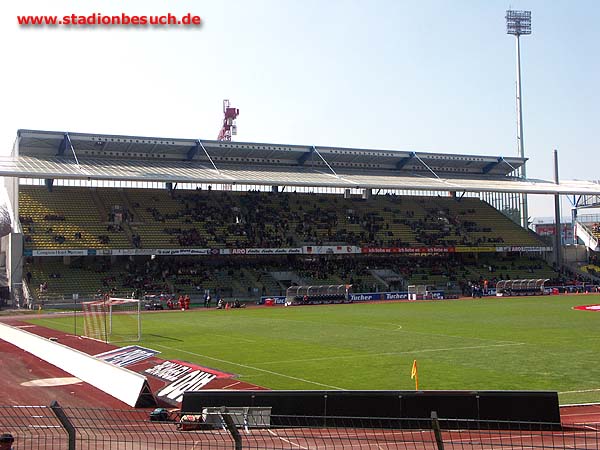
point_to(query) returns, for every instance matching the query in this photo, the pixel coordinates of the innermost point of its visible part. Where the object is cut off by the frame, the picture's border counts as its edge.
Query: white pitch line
(511, 437)
(461, 337)
(233, 337)
(246, 366)
(372, 355)
(580, 392)
(51, 321)
(401, 330)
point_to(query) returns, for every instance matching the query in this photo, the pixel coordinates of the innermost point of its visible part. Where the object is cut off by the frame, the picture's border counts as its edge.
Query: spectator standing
(6, 441)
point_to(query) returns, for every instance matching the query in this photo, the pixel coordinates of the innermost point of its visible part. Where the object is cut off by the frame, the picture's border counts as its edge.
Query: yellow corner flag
(414, 374)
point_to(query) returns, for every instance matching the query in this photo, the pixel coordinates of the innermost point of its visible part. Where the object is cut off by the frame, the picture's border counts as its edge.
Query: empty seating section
(259, 280)
(63, 281)
(152, 218)
(592, 269)
(65, 218)
(90, 277)
(508, 231)
(509, 268)
(480, 224)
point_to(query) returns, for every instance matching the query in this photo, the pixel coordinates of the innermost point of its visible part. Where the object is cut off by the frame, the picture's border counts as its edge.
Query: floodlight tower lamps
(519, 23)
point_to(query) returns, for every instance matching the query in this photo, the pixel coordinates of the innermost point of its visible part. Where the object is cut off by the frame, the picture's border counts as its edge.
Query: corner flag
(415, 375)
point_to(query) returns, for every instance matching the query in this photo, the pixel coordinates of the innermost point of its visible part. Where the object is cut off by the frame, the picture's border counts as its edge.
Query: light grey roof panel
(160, 170)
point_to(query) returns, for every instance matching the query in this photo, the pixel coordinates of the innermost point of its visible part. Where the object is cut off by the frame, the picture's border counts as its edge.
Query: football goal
(112, 320)
(419, 292)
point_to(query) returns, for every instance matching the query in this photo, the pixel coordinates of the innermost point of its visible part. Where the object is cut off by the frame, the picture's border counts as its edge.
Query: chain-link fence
(54, 427)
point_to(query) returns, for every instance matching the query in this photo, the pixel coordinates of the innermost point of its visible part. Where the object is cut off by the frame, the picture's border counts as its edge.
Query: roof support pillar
(193, 151)
(404, 161)
(63, 145)
(305, 156)
(488, 168)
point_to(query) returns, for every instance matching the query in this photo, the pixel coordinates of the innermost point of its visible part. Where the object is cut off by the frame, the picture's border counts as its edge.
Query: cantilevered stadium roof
(64, 155)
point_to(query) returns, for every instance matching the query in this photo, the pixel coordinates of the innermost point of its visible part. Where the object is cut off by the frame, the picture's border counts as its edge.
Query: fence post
(435, 425)
(65, 422)
(230, 425)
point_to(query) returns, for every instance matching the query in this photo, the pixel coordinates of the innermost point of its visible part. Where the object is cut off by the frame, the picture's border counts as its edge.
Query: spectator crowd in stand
(258, 219)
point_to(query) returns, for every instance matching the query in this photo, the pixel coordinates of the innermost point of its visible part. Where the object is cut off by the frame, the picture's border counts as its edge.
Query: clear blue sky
(419, 75)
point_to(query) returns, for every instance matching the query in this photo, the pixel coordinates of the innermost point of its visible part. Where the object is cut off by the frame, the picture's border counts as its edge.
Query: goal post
(112, 320)
(418, 291)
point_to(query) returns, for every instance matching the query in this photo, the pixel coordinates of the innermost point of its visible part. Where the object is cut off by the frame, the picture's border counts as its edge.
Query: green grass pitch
(528, 343)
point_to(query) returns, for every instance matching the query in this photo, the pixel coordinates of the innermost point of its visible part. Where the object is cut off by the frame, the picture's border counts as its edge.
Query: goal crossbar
(112, 319)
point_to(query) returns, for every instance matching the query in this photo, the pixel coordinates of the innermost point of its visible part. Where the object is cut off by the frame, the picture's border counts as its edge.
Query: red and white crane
(229, 127)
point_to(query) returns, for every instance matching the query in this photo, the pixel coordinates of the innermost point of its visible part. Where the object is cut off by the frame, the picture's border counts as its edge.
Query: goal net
(112, 320)
(417, 291)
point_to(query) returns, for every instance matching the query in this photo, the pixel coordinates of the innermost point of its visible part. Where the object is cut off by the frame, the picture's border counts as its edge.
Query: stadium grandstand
(138, 216)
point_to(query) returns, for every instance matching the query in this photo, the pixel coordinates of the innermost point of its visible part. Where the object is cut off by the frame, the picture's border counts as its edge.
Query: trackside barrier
(52, 427)
(129, 387)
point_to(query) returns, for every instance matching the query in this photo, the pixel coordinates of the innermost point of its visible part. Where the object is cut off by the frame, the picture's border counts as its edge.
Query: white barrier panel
(121, 383)
(587, 237)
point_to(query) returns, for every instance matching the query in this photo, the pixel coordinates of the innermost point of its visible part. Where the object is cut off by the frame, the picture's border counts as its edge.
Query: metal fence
(54, 427)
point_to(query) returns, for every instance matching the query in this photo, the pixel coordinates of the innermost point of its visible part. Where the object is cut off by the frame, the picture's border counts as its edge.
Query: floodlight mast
(519, 23)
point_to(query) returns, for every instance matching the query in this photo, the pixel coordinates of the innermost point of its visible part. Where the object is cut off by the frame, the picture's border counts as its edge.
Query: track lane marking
(272, 433)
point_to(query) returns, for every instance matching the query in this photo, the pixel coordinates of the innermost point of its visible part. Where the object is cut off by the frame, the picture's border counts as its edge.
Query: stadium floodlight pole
(519, 23)
(558, 230)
